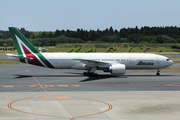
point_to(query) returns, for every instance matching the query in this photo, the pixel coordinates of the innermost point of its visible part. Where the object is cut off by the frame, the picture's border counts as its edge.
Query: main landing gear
(158, 72)
(91, 73)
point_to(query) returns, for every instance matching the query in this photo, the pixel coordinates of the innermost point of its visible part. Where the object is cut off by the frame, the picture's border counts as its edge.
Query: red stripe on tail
(34, 61)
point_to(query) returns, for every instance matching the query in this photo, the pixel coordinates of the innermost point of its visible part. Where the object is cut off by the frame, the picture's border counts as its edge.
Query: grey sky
(49, 15)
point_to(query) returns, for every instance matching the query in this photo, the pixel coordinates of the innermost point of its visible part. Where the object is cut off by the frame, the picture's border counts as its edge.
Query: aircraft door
(130, 60)
(157, 60)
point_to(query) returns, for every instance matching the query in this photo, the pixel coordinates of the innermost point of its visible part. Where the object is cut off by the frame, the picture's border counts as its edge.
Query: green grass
(99, 48)
(8, 51)
(174, 57)
(176, 62)
(7, 61)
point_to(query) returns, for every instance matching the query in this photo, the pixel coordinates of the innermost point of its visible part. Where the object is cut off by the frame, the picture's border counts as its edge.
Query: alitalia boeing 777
(115, 63)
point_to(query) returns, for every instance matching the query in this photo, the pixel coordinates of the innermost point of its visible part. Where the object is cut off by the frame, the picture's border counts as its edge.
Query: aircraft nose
(170, 62)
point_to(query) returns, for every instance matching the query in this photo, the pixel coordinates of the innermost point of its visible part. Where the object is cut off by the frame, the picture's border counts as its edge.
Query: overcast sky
(49, 15)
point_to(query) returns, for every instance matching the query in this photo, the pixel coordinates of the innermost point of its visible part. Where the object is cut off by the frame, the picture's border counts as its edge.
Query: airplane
(115, 63)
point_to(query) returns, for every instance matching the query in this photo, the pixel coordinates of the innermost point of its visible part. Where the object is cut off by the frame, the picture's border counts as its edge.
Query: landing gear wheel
(158, 74)
(85, 73)
(95, 74)
(92, 74)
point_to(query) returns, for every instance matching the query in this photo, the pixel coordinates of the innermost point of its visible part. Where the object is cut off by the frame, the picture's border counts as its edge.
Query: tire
(158, 74)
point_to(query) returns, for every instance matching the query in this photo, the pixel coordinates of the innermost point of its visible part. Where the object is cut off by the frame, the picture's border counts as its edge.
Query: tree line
(146, 35)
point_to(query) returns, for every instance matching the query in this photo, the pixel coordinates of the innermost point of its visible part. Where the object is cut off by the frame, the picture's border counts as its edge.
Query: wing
(94, 63)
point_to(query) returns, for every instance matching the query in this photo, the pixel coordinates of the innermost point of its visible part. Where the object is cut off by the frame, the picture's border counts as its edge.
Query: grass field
(7, 61)
(175, 57)
(84, 48)
(176, 62)
(8, 51)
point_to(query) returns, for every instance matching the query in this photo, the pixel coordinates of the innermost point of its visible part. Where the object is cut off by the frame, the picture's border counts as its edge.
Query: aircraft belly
(62, 64)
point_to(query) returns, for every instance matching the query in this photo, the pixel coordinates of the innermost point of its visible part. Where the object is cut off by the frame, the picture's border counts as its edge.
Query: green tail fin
(27, 50)
(20, 40)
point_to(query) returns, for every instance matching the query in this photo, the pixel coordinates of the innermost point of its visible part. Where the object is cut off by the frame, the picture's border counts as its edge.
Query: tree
(1, 42)
(153, 42)
(5, 45)
(159, 39)
(6, 35)
(44, 35)
(50, 35)
(32, 36)
(67, 33)
(23, 31)
(123, 32)
(134, 38)
(113, 38)
(26, 33)
(111, 31)
(57, 33)
(136, 30)
(85, 36)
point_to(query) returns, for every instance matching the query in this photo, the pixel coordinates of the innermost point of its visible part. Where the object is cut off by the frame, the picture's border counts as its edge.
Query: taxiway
(36, 93)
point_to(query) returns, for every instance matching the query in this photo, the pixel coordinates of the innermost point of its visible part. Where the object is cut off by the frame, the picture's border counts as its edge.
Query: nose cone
(170, 63)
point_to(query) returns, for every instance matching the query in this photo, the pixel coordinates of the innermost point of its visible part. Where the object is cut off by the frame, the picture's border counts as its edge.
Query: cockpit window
(168, 59)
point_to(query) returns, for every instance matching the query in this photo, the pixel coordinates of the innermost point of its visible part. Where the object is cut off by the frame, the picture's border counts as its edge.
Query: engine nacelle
(116, 69)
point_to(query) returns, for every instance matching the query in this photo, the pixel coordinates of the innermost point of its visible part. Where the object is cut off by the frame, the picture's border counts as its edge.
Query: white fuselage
(130, 60)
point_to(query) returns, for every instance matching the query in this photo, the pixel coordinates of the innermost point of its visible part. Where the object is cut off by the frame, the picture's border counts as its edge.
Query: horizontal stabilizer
(17, 56)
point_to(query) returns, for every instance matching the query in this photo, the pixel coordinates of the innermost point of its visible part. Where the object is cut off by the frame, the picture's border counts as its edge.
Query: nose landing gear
(158, 72)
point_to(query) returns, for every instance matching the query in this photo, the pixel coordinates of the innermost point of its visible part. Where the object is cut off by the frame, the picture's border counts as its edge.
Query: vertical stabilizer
(20, 41)
(26, 51)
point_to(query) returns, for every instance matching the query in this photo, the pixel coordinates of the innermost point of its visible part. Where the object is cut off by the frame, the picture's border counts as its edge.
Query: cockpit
(168, 59)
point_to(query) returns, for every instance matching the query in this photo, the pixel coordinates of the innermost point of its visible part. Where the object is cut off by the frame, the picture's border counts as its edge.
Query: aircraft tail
(27, 53)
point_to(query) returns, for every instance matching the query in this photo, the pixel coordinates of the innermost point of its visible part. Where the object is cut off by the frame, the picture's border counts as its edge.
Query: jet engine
(116, 69)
